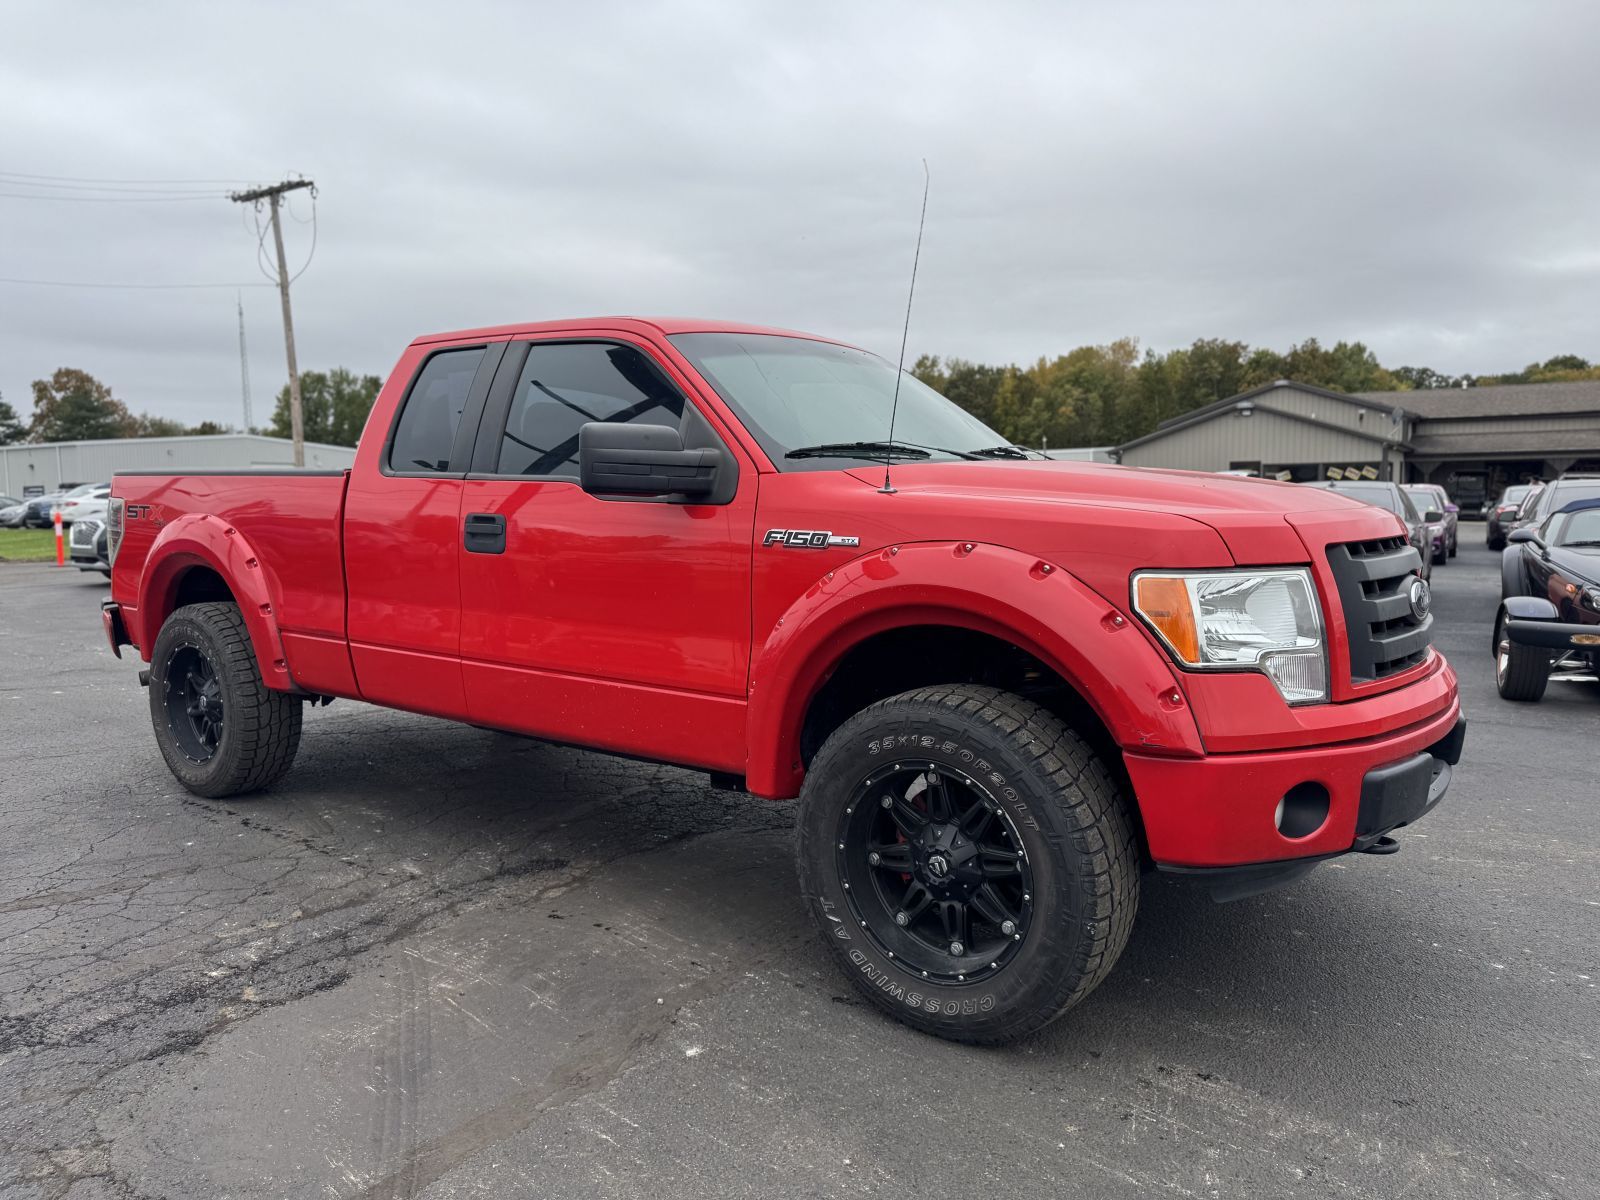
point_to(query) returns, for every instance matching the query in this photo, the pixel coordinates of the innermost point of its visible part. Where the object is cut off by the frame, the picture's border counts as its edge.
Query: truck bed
(288, 523)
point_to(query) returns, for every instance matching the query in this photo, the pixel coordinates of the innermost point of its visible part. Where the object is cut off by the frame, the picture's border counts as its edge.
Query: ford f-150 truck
(1002, 687)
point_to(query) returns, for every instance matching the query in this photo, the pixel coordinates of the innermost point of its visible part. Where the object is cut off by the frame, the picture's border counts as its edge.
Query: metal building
(34, 469)
(1474, 441)
(1284, 429)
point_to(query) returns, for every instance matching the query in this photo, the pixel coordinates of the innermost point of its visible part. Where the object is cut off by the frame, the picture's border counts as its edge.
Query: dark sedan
(1502, 512)
(1549, 621)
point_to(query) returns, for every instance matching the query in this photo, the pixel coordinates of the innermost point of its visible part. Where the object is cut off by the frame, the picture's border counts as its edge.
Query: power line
(68, 283)
(51, 189)
(79, 179)
(140, 199)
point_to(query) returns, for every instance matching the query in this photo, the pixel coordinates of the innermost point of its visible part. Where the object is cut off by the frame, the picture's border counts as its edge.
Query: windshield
(794, 393)
(1514, 494)
(1380, 494)
(1424, 498)
(1581, 528)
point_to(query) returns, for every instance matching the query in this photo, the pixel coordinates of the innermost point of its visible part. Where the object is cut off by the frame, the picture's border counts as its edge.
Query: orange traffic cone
(61, 545)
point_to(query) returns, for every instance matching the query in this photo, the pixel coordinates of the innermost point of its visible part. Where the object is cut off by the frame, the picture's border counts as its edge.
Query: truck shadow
(1347, 948)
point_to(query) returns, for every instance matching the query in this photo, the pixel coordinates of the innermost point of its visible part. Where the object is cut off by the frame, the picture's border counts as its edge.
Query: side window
(565, 385)
(427, 428)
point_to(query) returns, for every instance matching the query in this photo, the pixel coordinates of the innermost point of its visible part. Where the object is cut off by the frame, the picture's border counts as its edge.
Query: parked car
(1501, 513)
(1390, 498)
(87, 545)
(85, 503)
(41, 509)
(1549, 619)
(12, 513)
(1426, 496)
(999, 686)
(1559, 492)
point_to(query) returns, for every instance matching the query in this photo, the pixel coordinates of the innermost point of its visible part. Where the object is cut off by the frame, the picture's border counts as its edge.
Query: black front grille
(1374, 581)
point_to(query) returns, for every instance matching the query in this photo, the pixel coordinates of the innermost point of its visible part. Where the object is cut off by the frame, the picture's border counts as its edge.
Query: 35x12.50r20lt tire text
(970, 859)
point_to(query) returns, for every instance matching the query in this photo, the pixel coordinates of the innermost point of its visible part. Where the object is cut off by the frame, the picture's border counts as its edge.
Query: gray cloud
(1422, 177)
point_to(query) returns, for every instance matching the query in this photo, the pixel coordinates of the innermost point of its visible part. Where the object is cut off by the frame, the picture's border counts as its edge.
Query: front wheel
(221, 730)
(1520, 672)
(970, 860)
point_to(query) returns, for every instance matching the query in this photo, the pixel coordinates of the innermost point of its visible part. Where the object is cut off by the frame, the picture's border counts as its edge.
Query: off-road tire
(1065, 806)
(1520, 672)
(260, 727)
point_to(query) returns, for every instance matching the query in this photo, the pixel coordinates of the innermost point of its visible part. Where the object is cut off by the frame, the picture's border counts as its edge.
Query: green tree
(73, 405)
(333, 404)
(144, 425)
(11, 427)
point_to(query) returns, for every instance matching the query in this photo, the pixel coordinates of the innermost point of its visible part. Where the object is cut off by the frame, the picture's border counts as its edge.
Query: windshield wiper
(866, 450)
(1586, 542)
(1006, 451)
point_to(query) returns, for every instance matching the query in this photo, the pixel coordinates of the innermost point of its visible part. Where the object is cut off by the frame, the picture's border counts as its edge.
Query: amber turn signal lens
(1165, 604)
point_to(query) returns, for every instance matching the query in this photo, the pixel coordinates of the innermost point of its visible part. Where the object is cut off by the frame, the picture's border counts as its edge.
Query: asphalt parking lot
(440, 962)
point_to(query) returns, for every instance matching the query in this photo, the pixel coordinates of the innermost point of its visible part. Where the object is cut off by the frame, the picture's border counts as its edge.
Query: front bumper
(1220, 811)
(1554, 635)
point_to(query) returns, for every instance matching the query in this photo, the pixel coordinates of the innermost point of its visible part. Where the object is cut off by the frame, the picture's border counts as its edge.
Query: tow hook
(144, 677)
(1384, 845)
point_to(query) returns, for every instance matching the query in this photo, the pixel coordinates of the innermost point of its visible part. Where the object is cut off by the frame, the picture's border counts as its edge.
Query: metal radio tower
(244, 366)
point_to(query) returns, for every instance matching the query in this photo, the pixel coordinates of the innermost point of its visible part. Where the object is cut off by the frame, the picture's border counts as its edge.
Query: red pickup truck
(1001, 686)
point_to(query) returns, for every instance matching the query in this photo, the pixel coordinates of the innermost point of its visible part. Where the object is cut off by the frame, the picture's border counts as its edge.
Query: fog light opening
(1302, 811)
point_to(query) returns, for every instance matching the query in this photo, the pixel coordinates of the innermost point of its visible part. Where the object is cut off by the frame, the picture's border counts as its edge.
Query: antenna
(244, 364)
(900, 367)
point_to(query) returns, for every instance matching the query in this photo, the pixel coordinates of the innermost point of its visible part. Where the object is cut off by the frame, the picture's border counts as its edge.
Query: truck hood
(1257, 519)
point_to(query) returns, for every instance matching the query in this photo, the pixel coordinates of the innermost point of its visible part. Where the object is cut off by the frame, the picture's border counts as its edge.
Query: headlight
(1265, 621)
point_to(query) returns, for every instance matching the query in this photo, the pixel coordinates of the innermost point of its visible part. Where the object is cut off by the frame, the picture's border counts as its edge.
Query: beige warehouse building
(1474, 441)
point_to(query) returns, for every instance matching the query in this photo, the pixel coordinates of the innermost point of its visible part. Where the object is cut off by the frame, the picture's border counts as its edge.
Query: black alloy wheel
(222, 731)
(195, 707)
(935, 871)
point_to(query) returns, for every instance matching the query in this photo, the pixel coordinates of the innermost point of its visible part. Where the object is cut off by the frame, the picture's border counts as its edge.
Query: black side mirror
(1525, 533)
(1433, 516)
(643, 460)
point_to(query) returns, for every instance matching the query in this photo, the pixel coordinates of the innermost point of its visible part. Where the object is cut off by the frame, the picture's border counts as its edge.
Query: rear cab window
(425, 434)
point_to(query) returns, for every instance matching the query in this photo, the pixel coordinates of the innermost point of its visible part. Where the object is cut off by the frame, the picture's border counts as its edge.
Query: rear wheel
(970, 860)
(1520, 672)
(221, 730)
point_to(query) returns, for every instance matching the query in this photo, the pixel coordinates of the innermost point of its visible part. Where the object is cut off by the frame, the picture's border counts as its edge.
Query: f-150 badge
(807, 539)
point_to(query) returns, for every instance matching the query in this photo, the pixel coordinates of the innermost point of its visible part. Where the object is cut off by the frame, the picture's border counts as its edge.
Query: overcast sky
(1422, 177)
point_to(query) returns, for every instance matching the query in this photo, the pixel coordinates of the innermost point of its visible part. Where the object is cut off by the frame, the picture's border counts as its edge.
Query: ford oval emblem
(1421, 597)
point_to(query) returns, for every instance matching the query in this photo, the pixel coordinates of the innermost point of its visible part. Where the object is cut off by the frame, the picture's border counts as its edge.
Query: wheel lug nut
(1008, 927)
(887, 802)
(900, 918)
(957, 948)
(875, 858)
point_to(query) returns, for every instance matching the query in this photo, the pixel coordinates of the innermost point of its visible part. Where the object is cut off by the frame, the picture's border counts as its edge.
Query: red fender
(989, 589)
(199, 539)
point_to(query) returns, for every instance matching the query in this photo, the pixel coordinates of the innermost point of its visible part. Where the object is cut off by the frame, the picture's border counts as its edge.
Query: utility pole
(244, 366)
(273, 195)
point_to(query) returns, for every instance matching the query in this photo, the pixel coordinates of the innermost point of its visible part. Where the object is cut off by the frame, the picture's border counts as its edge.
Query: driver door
(620, 623)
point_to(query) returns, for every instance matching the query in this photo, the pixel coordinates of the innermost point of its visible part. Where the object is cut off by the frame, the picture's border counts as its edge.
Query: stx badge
(807, 539)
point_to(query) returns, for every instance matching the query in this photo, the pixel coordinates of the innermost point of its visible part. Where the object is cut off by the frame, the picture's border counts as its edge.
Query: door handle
(484, 533)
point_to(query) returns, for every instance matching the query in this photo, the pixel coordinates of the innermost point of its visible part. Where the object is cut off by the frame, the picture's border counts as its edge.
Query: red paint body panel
(989, 589)
(276, 543)
(671, 632)
(1218, 811)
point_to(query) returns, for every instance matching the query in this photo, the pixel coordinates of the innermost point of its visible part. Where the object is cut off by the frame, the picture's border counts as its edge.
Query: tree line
(73, 406)
(1107, 395)
(1091, 396)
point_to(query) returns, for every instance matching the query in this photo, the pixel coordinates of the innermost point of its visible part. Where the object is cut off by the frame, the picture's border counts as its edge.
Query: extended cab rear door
(616, 622)
(402, 526)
